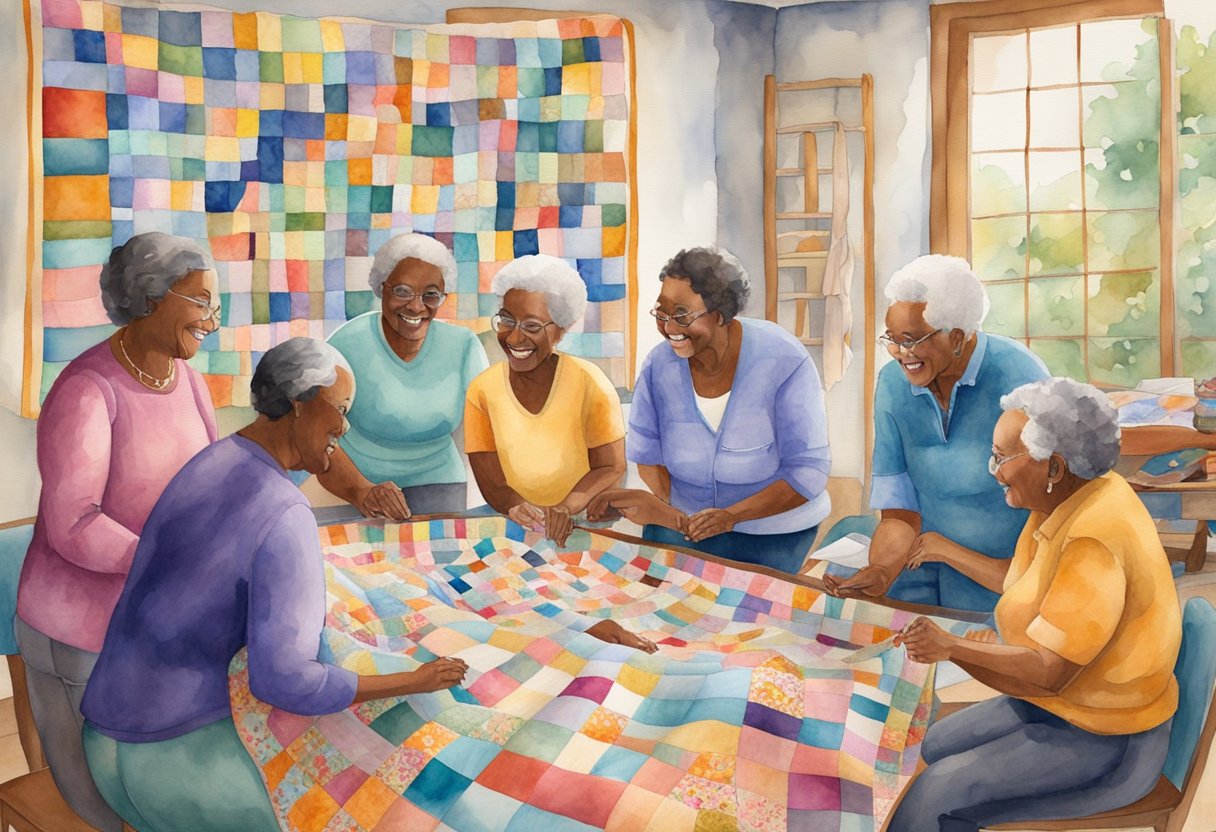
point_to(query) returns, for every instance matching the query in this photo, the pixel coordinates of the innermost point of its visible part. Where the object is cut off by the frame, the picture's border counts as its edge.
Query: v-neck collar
(557, 374)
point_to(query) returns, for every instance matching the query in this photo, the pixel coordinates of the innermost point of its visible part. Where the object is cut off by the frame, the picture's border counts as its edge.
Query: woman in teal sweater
(412, 372)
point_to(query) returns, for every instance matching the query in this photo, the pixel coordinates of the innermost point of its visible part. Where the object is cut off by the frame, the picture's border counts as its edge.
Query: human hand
(635, 505)
(440, 674)
(930, 547)
(558, 524)
(528, 516)
(385, 500)
(709, 522)
(925, 641)
(613, 633)
(868, 582)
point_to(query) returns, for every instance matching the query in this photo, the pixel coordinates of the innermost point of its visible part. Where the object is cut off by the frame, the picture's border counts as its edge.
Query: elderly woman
(117, 425)
(543, 430)
(934, 409)
(727, 426)
(413, 372)
(229, 558)
(1089, 630)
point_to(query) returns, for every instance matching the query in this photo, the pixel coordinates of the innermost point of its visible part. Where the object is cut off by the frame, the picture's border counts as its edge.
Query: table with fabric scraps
(748, 717)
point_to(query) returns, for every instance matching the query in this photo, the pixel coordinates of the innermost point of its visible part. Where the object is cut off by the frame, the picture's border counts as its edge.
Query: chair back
(1191, 732)
(15, 538)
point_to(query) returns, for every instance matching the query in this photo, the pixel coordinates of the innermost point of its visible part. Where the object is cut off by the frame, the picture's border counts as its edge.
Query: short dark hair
(715, 275)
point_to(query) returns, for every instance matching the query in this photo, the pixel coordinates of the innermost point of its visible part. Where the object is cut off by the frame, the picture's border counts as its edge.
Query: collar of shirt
(1065, 510)
(969, 377)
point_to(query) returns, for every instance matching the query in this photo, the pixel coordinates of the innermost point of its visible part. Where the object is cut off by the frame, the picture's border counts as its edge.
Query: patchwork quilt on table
(291, 148)
(746, 718)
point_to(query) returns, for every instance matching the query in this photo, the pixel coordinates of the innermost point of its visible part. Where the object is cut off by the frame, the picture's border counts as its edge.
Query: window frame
(951, 28)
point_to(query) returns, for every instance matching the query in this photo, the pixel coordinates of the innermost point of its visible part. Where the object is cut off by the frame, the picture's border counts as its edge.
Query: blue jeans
(1008, 760)
(783, 552)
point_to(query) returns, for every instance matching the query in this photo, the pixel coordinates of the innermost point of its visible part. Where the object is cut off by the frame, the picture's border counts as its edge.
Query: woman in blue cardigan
(727, 425)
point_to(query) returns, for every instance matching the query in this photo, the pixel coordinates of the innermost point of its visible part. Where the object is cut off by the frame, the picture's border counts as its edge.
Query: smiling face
(410, 319)
(1022, 478)
(677, 299)
(321, 421)
(184, 316)
(526, 351)
(928, 359)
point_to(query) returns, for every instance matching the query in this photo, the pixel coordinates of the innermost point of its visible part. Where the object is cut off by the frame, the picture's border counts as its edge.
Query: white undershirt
(713, 409)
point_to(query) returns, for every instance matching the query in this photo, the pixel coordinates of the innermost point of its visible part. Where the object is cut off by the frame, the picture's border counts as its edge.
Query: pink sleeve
(74, 442)
(202, 398)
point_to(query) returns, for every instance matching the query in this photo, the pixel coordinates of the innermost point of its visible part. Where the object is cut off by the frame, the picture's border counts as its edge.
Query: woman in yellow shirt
(543, 430)
(1089, 629)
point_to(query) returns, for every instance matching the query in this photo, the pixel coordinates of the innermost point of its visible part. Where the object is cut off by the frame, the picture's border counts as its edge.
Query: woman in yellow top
(1089, 630)
(543, 430)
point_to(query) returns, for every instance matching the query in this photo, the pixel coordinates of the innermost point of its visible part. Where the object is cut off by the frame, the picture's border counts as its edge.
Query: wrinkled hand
(868, 582)
(925, 641)
(709, 522)
(385, 500)
(439, 674)
(528, 516)
(613, 633)
(929, 547)
(558, 524)
(635, 505)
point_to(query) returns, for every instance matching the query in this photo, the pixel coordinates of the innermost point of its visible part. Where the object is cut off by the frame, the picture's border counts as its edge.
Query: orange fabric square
(245, 30)
(335, 127)
(614, 241)
(359, 171)
(508, 81)
(444, 173)
(221, 389)
(282, 763)
(223, 121)
(512, 774)
(438, 76)
(74, 114)
(614, 167)
(369, 802)
(570, 27)
(313, 811)
(76, 198)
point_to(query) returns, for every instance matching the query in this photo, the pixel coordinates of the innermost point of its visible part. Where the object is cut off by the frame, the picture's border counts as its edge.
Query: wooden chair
(1165, 808)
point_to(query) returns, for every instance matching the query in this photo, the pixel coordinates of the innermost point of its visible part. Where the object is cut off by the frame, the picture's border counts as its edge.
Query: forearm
(893, 539)
(772, 499)
(492, 482)
(92, 539)
(658, 479)
(592, 483)
(383, 687)
(343, 479)
(1017, 671)
(1162, 439)
(986, 571)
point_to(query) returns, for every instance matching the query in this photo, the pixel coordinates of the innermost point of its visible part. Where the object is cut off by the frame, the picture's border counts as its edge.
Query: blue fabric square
(181, 28)
(570, 216)
(504, 219)
(532, 558)
(122, 191)
(223, 197)
(219, 63)
(172, 117)
(730, 597)
(550, 51)
(570, 136)
(467, 756)
(436, 788)
(247, 64)
(336, 98)
(591, 49)
(553, 79)
(527, 139)
(438, 115)
(361, 68)
(548, 137)
(303, 125)
(140, 22)
(526, 242)
(89, 46)
(270, 159)
(143, 113)
(506, 52)
(618, 764)
(570, 193)
(116, 112)
(868, 707)
(280, 305)
(590, 271)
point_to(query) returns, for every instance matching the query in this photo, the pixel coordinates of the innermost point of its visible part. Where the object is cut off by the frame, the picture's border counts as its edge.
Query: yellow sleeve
(602, 421)
(1084, 603)
(478, 430)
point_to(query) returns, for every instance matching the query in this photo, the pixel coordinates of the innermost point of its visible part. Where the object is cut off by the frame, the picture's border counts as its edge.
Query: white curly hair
(564, 291)
(953, 296)
(419, 247)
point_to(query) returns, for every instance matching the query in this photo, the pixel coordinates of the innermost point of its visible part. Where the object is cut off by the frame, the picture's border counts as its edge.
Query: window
(1053, 178)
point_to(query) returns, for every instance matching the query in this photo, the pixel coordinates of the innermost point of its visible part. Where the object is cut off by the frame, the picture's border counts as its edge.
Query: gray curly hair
(416, 246)
(143, 269)
(294, 371)
(715, 275)
(1075, 420)
(565, 292)
(953, 295)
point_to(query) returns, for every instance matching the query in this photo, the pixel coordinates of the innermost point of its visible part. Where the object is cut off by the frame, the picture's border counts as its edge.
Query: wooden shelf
(802, 215)
(801, 259)
(800, 296)
(812, 342)
(801, 171)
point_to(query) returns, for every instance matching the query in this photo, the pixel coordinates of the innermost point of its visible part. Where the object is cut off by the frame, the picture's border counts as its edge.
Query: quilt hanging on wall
(292, 148)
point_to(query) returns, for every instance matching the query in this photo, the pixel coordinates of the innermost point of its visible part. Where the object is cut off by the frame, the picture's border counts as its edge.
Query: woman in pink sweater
(117, 425)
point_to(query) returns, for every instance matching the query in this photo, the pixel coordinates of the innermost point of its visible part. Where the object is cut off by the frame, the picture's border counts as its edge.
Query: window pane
(1195, 286)
(1055, 181)
(1054, 121)
(1123, 240)
(998, 248)
(1053, 56)
(998, 62)
(1123, 362)
(1128, 112)
(1007, 309)
(1056, 244)
(1198, 358)
(1112, 50)
(1057, 306)
(1198, 94)
(1197, 171)
(1062, 357)
(1124, 304)
(998, 121)
(998, 183)
(1114, 181)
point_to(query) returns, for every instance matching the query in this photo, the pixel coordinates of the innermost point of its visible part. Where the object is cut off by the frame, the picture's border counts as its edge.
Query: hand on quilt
(440, 674)
(925, 641)
(868, 582)
(385, 500)
(528, 516)
(613, 633)
(709, 522)
(637, 506)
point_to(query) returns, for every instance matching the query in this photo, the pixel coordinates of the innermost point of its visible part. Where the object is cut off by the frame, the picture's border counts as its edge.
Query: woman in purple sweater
(118, 423)
(229, 558)
(727, 426)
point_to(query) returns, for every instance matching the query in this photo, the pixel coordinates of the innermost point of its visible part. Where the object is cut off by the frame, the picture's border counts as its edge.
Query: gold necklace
(146, 379)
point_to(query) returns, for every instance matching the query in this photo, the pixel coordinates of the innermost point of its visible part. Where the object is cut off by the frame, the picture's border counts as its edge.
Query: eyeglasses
(505, 323)
(213, 312)
(995, 462)
(905, 346)
(430, 298)
(684, 319)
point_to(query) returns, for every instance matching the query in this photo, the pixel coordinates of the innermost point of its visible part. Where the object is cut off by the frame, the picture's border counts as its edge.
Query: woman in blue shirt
(412, 373)
(935, 407)
(727, 426)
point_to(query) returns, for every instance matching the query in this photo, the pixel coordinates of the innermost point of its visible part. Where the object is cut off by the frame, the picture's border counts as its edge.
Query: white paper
(1168, 386)
(852, 550)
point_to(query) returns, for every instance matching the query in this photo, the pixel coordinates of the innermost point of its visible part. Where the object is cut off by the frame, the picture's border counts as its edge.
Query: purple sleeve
(286, 616)
(801, 423)
(644, 445)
